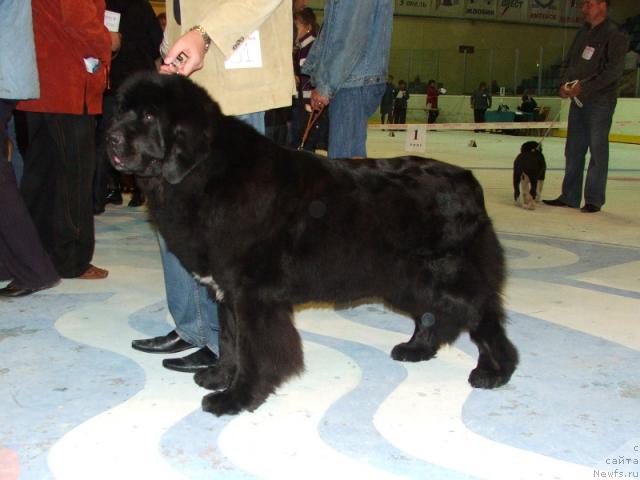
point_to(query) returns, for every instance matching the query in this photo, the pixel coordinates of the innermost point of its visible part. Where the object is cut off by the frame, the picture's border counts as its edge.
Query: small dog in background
(529, 169)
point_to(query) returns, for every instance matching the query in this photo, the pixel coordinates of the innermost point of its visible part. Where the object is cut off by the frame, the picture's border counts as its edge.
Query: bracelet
(205, 36)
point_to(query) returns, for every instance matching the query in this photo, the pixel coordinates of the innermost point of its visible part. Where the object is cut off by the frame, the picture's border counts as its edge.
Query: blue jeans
(193, 310)
(588, 129)
(349, 114)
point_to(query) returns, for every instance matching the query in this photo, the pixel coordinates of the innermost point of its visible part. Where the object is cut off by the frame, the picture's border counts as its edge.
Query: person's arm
(227, 24)
(347, 34)
(564, 67)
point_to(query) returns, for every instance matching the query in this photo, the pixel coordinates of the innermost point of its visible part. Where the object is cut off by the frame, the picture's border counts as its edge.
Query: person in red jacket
(432, 101)
(73, 51)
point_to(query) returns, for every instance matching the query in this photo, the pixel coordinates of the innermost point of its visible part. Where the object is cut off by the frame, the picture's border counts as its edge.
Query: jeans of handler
(194, 312)
(349, 114)
(588, 129)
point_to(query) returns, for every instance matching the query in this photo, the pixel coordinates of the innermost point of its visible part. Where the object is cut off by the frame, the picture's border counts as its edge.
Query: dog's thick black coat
(268, 228)
(530, 162)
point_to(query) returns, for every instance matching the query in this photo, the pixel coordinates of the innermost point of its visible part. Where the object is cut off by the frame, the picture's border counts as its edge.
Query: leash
(546, 133)
(313, 118)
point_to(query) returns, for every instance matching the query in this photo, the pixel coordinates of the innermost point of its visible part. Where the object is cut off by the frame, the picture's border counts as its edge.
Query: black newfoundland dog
(269, 228)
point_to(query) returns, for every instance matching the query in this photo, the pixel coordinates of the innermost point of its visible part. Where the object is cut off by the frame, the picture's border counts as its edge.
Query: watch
(205, 36)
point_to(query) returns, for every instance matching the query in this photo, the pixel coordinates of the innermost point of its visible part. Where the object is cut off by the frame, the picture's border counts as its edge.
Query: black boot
(113, 196)
(137, 198)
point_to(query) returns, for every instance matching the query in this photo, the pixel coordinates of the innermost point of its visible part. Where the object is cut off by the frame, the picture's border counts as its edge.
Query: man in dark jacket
(591, 76)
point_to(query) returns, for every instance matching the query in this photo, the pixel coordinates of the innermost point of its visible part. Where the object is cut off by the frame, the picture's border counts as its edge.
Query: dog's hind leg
(498, 357)
(527, 198)
(539, 190)
(439, 324)
(268, 351)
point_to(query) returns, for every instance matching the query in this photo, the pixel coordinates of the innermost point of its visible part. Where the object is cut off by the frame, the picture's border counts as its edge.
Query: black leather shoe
(137, 198)
(590, 208)
(555, 203)
(194, 362)
(169, 343)
(12, 290)
(114, 197)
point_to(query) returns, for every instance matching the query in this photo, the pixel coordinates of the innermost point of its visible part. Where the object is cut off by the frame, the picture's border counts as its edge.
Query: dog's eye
(148, 117)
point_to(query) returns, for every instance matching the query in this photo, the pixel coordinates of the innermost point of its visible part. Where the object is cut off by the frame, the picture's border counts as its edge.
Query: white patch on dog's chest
(208, 280)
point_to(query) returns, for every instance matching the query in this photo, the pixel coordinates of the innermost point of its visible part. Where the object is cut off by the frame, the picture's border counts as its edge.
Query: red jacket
(67, 31)
(432, 96)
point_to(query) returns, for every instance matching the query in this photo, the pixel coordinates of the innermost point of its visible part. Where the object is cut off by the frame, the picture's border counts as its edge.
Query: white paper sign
(247, 55)
(416, 138)
(112, 21)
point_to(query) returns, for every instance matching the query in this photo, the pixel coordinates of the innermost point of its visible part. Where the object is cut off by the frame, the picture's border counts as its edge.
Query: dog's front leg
(219, 376)
(268, 350)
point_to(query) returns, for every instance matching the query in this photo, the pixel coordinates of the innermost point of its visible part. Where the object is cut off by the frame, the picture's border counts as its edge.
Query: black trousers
(478, 115)
(105, 177)
(22, 257)
(57, 187)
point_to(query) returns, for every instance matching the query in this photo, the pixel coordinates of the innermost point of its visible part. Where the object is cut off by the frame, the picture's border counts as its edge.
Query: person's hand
(575, 90)
(317, 100)
(191, 45)
(116, 41)
(570, 89)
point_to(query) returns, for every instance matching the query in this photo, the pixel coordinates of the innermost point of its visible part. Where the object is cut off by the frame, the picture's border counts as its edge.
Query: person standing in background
(480, 103)
(591, 74)
(400, 103)
(348, 67)
(73, 51)
(23, 260)
(386, 104)
(305, 35)
(432, 101)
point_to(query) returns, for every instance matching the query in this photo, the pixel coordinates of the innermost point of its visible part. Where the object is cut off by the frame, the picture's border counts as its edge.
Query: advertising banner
(511, 10)
(431, 8)
(570, 13)
(544, 11)
(480, 9)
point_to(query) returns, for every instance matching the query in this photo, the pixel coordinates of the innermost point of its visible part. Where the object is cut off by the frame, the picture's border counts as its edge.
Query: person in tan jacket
(240, 51)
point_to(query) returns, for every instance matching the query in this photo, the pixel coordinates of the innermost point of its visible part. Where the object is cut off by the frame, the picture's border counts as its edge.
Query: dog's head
(164, 126)
(530, 147)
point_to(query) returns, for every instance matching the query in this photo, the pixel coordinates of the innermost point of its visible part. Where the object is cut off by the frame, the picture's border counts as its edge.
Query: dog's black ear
(192, 130)
(182, 157)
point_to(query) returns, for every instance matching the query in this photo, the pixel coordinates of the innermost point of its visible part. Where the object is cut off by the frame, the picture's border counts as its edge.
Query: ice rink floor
(78, 403)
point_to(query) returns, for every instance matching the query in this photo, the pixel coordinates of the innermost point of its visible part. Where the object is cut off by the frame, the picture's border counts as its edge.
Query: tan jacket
(228, 22)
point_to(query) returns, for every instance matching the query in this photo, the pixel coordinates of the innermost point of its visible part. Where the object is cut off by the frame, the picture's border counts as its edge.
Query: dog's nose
(115, 139)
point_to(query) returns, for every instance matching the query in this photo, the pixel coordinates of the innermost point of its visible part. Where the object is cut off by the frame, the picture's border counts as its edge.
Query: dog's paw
(221, 403)
(406, 352)
(231, 402)
(213, 378)
(481, 378)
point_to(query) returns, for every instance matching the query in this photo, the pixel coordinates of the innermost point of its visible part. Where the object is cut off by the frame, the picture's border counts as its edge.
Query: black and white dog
(268, 228)
(529, 169)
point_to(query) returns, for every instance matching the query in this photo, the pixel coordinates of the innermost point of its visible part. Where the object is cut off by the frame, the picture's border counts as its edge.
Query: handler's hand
(317, 100)
(191, 44)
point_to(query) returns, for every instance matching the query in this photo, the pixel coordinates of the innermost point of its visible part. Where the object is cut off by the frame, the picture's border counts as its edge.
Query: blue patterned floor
(77, 402)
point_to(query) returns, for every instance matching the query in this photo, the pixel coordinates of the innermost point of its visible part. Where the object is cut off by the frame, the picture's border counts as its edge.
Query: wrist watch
(205, 36)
